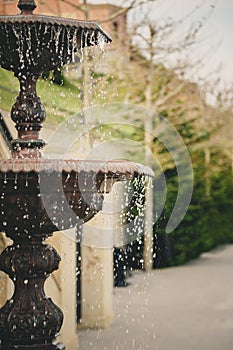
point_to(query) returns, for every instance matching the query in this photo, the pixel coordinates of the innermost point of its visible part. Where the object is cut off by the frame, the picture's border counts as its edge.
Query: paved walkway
(182, 308)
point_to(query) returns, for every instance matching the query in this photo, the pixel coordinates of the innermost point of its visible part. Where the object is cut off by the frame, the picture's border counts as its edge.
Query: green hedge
(207, 223)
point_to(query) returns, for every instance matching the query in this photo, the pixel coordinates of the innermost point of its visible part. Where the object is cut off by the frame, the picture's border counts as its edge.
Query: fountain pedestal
(29, 320)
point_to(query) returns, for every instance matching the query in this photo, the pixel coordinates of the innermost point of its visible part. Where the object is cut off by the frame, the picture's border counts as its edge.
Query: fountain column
(28, 114)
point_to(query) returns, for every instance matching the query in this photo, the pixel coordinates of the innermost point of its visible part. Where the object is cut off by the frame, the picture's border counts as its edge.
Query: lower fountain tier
(41, 196)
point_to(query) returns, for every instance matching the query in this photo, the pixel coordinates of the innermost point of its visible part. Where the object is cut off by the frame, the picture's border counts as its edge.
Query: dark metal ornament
(26, 5)
(29, 317)
(28, 113)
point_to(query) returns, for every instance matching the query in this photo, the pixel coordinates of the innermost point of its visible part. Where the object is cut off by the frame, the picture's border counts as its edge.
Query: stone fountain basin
(44, 195)
(33, 44)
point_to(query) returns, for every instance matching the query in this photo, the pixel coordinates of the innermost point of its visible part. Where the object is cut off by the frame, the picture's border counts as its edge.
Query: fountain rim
(118, 168)
(53, 20)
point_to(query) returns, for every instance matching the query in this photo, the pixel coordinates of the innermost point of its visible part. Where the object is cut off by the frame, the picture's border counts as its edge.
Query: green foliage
(207, 223)
(97, 75)
(138, 198)
(8, 89)
(56, 76)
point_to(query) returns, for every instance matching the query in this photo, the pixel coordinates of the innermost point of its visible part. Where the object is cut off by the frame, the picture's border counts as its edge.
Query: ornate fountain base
(29, 320)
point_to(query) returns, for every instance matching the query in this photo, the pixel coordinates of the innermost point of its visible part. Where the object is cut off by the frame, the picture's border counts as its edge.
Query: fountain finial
(27, 5)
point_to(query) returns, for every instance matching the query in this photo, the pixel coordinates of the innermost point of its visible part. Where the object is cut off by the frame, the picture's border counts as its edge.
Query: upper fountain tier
(33, 44)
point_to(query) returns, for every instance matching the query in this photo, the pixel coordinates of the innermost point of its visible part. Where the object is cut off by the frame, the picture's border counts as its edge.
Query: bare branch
(124, 10)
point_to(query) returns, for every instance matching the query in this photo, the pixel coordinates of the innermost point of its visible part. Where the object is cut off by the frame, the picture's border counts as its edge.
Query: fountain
(29, 45)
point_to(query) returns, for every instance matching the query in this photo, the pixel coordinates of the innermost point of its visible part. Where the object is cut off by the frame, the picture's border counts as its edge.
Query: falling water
(74, 44)
(34, 41)
(101, 41)
(19, 39)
